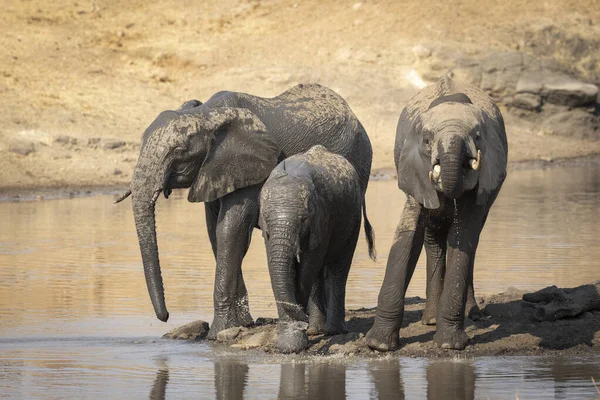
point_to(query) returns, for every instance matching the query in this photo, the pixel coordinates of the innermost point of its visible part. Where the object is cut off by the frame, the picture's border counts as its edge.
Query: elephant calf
(450, 155)
(310, 213)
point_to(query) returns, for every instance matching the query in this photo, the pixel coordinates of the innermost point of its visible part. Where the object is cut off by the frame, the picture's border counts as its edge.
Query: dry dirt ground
(511, 326)
(81, 79)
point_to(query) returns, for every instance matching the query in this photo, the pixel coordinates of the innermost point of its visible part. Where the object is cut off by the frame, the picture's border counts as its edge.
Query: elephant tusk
(155, 196)
(476, 164)
(123, 196)
(435, 174)
(436, 171)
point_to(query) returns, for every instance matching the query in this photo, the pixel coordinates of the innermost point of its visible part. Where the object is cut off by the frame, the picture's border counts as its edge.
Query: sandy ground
(508, 328)
(81, 80)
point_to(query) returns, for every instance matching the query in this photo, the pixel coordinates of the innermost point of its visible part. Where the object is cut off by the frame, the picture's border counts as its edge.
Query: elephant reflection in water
(448, 379)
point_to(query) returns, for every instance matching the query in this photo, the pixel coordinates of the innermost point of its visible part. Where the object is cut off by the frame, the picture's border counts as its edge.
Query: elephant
(223, 150)
(310, 214)
(451, 155)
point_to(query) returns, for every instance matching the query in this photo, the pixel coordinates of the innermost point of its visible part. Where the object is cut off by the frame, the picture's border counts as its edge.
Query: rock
(470, 75)
(529, 82)
(114, 144)
(117, 171)
(564, 90)
(504, 310)
(527, 101)
(23, 148)
(92, 142)
(227, 335)
(196, 330)
(65, 140)
(254, 341)
(575, 123)
(469, 325)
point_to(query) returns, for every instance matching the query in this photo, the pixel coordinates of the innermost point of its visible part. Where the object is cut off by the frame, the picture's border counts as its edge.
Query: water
(76, 320)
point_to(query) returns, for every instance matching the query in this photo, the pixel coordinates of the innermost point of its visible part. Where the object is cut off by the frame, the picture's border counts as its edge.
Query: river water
(76, 320)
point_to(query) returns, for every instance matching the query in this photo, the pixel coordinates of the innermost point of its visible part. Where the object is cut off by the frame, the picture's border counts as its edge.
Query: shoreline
(510, 326)
(60, 191)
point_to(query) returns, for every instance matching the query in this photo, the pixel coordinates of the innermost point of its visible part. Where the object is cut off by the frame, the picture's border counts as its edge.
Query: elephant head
(212, 151)
(450, 147)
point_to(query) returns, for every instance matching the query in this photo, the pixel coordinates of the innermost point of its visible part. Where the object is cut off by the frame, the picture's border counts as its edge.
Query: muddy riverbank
(510, 326)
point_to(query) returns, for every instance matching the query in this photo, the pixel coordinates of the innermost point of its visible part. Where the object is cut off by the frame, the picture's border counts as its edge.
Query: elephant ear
(412, 164)
(494, 152)
(240, 153)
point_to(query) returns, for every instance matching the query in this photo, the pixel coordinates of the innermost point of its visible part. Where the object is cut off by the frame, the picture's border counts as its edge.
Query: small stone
(227, 335)
(117, 171)
(356, 6)
(196, 330)
(114, 144)
(22, 148)
(65, 140)
(93, 141)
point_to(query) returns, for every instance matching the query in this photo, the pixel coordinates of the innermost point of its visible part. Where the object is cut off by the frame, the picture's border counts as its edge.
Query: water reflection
(460, 379)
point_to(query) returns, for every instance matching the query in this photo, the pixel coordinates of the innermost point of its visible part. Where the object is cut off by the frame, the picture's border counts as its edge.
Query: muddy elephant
(450, 155)
(310, 214)
(223, 150)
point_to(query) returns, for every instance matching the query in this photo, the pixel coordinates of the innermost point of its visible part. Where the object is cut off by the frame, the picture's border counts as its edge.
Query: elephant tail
(369, 233)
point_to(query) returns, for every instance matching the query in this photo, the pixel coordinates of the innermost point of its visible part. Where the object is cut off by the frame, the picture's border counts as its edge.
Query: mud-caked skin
(450, 155)
(223, 150)
(310, 214)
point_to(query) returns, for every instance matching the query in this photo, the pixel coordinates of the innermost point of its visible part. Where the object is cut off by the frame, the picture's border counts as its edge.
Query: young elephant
(450, 155)
(310, 212)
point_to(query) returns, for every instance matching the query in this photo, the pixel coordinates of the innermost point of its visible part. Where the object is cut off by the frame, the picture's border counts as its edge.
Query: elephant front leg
(403, 257)
(463, 238)
(238, 216)
(435, 248)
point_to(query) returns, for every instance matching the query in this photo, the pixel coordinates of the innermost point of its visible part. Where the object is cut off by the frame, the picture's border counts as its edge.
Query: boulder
(196, 330)
(527, 101)
(563, 90)
(574, 123)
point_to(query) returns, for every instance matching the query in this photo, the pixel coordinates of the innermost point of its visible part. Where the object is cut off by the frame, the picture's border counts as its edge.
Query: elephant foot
(450, 338)
(429, 315)
(291, 337)
(222, 323)
(383, 338)
(473, 311)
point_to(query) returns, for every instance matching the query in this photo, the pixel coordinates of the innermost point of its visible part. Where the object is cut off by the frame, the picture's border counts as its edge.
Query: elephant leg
(472, 309)
(211, 211)
(463, 238)
(336, 276)
(435, 248)
(403, 257)
(238, 215)
(317, 306)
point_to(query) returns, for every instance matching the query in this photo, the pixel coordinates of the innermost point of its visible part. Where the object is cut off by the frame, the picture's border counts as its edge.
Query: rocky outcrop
(534, 88)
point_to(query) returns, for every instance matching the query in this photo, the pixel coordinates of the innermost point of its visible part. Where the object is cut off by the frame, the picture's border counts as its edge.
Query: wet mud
(510, 326)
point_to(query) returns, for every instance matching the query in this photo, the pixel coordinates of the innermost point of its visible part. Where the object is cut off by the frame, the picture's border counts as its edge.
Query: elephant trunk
(283, 249)
(451, 163)
(146, 186)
